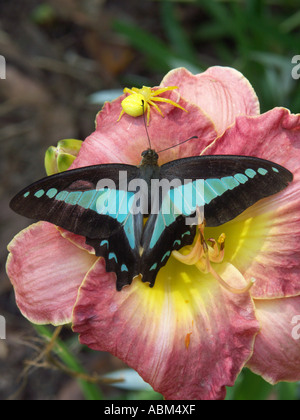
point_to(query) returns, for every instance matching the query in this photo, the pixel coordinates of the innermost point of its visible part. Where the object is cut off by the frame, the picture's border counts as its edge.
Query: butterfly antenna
(175, 145)
(149, 141)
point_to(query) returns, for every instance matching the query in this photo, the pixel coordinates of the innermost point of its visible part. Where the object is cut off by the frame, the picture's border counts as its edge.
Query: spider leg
(121, 115)
(162, 90)
(156, 107)
(169, 102)
(131, 91)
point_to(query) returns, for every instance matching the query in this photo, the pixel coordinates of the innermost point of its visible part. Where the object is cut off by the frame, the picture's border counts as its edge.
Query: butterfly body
(109, 203)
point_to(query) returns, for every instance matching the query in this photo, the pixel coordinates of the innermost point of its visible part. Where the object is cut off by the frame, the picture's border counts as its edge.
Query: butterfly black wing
(231, 183)
(223, 186)
(75, 201)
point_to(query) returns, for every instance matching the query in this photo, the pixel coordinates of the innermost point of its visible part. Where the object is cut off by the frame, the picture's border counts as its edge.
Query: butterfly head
(150, 158)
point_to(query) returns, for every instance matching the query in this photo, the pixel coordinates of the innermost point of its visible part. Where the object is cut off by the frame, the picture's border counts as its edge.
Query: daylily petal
(276, 354)
(124, 141)
(187, 336)
(274, 135)
(222, 93)
(265, 238)
(77, 240)
(46, 271)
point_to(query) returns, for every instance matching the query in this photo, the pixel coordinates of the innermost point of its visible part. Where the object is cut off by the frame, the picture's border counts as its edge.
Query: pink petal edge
(181, 356)
(276, 355)
(46, 271)
(223, 93)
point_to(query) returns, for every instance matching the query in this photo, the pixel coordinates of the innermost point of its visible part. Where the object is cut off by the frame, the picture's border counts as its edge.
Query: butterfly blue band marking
(177, 242)
(250, 173)
(124, 268)
(112, 256)
(124, 201)
(52, 192)
(104, 242)
(189, 199)
(61, 196)
(169, 218)
(230, 182)
(26, 194)
(209, 192)
(154, 267)
(73, 197)
(168, 211)
(166, 216)
(95, 204)
(182, 200)
(262, 171)
(186, 233)
(100, 202)
(87, 198)
(216, 186)
(39, 193)
(199, 189)
(176, 198)
(275, 169)
(167, 254)
(122, 204)
(241, 178)
(129, 230)
(110, 202)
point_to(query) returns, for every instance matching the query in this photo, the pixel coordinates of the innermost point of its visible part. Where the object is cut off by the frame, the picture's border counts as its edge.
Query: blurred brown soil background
(56, 57)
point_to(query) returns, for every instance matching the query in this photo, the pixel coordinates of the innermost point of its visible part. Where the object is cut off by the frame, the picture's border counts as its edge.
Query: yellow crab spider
(140, 100)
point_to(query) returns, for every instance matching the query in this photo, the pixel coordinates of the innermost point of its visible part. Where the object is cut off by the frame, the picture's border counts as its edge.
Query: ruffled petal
(223, 93)
(46, 271)
(187, 336)
(125, 140)
(77, 240)
(276, 354)
(264, 241)
(274, 135)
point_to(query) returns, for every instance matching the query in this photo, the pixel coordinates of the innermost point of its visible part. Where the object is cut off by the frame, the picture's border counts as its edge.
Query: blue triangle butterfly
(78, 201)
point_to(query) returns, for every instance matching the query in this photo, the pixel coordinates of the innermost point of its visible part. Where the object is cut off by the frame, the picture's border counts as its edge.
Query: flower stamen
(202, 254)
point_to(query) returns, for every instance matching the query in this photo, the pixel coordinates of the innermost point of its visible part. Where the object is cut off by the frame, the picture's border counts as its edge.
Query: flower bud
(60, 158)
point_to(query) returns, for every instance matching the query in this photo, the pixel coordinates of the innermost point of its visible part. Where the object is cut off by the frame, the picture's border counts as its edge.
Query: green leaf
(288, 391)
(157, 51)
(177, 37)
(250, 387)
(90, 391)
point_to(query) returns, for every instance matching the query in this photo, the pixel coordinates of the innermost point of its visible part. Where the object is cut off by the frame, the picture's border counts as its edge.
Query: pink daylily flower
(189, 337)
